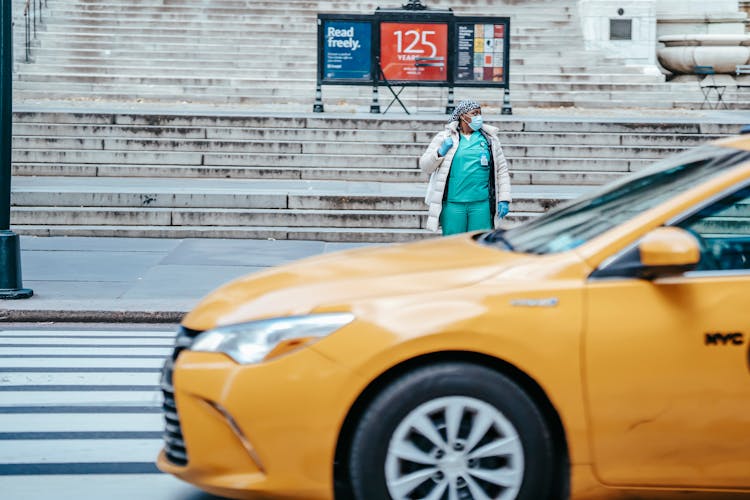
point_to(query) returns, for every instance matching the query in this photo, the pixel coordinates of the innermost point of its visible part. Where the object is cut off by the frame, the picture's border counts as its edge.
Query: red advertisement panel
(414, 51)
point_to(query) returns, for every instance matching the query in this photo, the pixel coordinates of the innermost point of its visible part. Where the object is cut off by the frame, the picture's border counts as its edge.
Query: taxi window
(723, 230)
(574, 224)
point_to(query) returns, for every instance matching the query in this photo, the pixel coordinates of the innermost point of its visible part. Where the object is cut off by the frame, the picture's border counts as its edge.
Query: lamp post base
(11, 284)
(20, 293)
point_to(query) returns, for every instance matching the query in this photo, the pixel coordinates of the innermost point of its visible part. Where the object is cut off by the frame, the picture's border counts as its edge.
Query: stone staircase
(228, 53)
(333, 178)
(190, 118)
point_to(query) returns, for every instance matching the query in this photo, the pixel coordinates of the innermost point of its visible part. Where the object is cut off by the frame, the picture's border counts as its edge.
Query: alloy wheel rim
(452, 448)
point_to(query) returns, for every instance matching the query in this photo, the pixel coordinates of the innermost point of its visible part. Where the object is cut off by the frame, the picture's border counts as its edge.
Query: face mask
(476, 122)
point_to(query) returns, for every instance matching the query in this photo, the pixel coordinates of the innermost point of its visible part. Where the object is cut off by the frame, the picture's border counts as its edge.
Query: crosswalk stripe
(48, 436)
(35, 334)
(80, 450)
(80, 398)
(84, 342)
(124, 483)
(82, 332)
(42, 379)
(81, 422)
(88, 362)
(134, 408)
(76, 369)
(83, 356)
(73, 350)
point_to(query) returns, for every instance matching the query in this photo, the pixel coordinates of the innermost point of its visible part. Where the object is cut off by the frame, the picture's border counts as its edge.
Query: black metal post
(507, 108)
(451, 106)
(27, 36)
(11, 285)
(375, 104)
(318, 106)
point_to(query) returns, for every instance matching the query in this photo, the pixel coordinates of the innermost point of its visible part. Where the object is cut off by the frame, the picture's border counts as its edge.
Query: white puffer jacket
(430, 162)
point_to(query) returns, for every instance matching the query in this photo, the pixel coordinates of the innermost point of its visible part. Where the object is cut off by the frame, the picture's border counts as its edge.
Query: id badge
(485, 158)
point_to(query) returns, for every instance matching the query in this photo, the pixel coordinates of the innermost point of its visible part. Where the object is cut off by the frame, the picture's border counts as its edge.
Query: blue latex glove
(502, 209)
(445, 146)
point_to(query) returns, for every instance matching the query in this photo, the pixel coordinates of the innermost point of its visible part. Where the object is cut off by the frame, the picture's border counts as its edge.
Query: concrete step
(45, 131)
(299, 78)
(303, 75)
(54, 59)
(212, 81)
(354, 104)
(311, 9)
(252, 194)
(301, 99)
(298, 29)
(45, 62)
(362, 123)
(290, 21)
(309, 150)
(101, 132)
(348, 235)
(301, 91)
(124, 216)
(223, 172)
(43, 54)
(519, 176)
(182, 164)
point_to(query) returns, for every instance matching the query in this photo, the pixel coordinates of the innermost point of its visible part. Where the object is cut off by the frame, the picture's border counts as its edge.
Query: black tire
(382, 417)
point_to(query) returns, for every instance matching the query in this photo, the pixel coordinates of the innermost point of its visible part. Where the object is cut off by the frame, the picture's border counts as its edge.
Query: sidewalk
(138, 279)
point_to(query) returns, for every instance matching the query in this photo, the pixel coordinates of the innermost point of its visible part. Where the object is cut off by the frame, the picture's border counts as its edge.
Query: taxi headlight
(257, 341)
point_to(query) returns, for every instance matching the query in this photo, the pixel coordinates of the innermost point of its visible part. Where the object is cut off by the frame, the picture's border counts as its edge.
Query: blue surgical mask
(476, 122)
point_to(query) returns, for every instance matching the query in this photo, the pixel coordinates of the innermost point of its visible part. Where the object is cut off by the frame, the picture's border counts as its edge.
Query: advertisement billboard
(414, 52)
(346, 50)
(481, 52)
(429, 48)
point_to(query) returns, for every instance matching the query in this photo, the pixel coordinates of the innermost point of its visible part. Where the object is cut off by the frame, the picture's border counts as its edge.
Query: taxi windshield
(578, 222)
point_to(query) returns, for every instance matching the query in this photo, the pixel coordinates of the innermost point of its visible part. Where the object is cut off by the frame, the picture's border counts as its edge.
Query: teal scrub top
(469, 178)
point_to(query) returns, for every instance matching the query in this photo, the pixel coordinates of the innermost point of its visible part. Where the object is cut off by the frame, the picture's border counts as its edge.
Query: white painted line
(69, 351)
(81, 363)
(68, 398)
(78, 379)
(98, 487)
(80, 450)
(88, 341)
(86, 333)
(81, 422)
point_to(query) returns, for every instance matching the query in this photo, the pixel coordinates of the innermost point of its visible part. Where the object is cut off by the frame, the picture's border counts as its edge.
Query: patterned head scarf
(464, 107)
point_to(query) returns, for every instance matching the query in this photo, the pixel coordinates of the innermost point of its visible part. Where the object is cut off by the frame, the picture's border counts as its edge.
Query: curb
(68, 316)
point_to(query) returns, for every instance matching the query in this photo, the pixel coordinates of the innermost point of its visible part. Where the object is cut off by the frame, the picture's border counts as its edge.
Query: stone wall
(684, 17)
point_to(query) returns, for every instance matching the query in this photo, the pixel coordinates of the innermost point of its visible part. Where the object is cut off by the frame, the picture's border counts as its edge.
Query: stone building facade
(631, 29)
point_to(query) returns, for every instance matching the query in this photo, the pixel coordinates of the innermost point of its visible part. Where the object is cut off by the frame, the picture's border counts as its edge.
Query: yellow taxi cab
(599, 351)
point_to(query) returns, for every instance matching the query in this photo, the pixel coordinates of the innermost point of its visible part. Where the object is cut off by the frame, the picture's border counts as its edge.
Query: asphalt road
(80, 413)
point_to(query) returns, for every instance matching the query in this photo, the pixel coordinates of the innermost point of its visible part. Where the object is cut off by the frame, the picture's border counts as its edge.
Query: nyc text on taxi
(599, 351)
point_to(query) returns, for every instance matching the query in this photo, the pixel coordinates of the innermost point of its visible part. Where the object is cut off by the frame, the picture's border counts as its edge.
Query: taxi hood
(343, 277)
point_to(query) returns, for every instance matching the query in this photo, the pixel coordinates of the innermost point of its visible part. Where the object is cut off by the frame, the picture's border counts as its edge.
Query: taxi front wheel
(450, 431)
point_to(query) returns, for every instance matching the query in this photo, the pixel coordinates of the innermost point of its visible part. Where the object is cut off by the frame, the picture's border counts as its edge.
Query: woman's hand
(502, 208)
(445, 146)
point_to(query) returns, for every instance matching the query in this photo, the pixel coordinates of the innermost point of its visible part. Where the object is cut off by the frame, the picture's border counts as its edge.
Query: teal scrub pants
(460, 217)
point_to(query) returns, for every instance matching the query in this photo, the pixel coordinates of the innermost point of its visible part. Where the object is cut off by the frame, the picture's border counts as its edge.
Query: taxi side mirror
(664, 251)
(669, 247)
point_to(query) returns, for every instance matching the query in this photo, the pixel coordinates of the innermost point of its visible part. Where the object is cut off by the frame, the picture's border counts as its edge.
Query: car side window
(723, 230)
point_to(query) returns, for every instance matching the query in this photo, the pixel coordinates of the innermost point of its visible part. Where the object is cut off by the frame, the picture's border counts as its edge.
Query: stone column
(622, 28)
